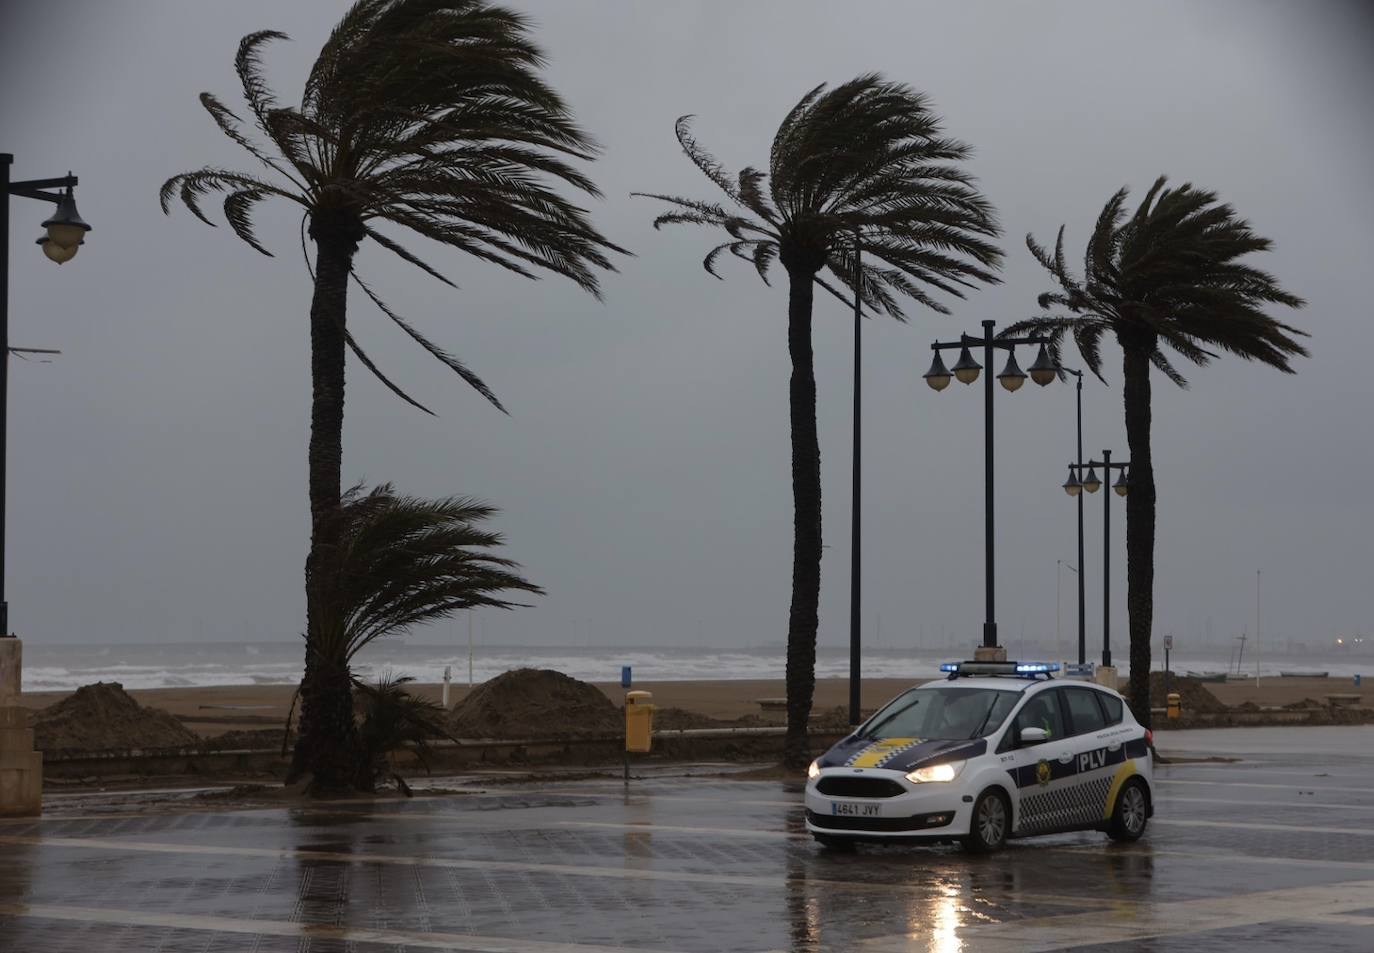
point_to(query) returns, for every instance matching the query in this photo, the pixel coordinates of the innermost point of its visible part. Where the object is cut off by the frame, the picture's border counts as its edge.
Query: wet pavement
(1275, 853)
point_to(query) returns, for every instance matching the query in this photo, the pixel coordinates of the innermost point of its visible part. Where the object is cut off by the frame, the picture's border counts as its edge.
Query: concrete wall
(21, 768)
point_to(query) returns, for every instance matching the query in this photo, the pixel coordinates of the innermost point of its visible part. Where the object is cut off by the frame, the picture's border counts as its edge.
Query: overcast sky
(157, 467)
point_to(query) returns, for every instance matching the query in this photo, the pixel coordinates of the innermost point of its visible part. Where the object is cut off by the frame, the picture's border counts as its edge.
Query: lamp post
(1044, 361)
(855, 636)
(1012, 377)
(1074, 486)
(65, 234)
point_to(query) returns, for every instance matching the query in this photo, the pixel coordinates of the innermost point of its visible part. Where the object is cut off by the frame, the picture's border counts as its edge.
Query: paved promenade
(1272, 854)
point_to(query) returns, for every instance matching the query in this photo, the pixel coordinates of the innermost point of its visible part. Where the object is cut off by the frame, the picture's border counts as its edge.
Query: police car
(995, 750)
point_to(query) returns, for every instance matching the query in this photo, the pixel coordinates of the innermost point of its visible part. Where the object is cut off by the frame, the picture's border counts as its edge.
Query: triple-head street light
(1074, 486)
(966, 371)
(65, 234)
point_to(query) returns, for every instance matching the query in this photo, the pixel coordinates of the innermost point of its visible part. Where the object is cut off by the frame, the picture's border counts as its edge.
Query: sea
(173, 665)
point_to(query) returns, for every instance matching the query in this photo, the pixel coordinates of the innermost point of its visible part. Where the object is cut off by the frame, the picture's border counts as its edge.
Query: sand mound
(535, 703)
(1194, 696)
(103, 717)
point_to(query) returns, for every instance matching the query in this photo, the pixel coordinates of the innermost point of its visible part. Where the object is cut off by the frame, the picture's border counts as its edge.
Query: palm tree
(1167, 275)
(428, 115)
(391, 562)
(862, 162)
(391, 719)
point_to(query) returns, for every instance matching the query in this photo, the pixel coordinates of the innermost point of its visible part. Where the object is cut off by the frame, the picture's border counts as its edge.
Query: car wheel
(834, 842)
(990, 824)
(1131, 812)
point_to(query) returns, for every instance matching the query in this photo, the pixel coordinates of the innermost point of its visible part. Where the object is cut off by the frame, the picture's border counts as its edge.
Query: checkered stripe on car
(1063, 806)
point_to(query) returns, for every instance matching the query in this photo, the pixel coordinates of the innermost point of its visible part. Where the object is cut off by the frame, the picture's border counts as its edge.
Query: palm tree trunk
(1140, 522)
(326, 746)
(806, 501)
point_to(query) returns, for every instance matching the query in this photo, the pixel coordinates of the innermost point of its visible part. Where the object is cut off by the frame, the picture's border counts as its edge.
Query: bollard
(1175, 705)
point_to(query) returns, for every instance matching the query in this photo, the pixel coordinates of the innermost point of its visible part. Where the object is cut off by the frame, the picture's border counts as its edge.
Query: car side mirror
(1033, 736)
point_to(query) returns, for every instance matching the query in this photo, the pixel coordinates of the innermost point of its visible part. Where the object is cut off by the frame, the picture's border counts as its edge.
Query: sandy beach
(212, 710)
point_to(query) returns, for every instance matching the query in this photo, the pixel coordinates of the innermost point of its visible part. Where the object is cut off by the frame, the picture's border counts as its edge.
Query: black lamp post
(65, 233)
(1044, 360)
(1012, 377)
(855, 635)
(1074, 486)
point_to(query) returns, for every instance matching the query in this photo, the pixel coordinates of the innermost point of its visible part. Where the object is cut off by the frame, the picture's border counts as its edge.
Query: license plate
(853, 809)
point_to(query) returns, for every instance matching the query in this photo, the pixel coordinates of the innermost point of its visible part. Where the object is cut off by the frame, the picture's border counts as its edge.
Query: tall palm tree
(426, 115)
(1167, 275)
(866, 162)
(391, 562)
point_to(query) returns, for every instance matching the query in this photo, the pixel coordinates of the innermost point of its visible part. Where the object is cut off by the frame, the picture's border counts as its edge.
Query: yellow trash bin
(639, 720)
(1174, 704)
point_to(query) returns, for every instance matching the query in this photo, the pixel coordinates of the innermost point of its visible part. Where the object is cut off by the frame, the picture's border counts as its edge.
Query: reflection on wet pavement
(1275, 853)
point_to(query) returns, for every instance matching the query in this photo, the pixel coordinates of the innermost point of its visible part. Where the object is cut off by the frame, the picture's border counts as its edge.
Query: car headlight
(936, 772)
(815, 769)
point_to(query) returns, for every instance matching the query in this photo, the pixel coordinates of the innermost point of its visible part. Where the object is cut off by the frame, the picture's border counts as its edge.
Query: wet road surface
(1272, 854)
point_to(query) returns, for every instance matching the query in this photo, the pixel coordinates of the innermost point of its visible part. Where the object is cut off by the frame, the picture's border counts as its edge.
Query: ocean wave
(54, 668)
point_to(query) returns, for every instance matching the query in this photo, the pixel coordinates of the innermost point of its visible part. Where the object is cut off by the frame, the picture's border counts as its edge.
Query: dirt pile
(103, 717)
(1194, 696)
(535, 703)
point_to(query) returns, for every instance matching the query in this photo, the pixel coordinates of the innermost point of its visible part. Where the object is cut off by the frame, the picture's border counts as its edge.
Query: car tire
(834, 842)
(990, 822)
(1131, 812)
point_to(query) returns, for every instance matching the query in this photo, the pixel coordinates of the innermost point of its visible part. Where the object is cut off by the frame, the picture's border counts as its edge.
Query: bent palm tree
(428, 115)
(391, 562)
(391, 719)
(864, 159)
(1167, 275)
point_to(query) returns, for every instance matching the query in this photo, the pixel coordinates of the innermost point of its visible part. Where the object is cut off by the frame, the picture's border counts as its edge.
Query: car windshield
(942, 713)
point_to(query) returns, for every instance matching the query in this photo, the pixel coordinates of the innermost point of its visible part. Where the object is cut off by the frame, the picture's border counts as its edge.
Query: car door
(1097, 753)
(1043, 773)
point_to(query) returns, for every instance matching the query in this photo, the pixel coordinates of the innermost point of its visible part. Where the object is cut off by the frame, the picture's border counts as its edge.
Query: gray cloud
(157, 481)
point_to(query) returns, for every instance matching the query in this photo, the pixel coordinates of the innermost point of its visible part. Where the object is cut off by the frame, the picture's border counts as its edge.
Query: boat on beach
(1304, 674)
(1206, 676)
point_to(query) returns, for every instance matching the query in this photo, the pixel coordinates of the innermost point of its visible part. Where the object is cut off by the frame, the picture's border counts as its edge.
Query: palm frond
(432, 115)
(867, 156)
(387, 382)
(403, 253)
(1168, 275)
(238, 211)
(394, 562)
(435, 351)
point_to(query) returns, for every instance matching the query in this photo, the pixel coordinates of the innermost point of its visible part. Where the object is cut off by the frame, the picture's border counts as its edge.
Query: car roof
(1001, 683)
(1016, 683)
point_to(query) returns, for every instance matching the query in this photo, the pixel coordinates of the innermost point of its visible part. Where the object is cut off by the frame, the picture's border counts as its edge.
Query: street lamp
(966, 371)
(65, 234)
(1044, 370)
(855, 527)
(1092, 484)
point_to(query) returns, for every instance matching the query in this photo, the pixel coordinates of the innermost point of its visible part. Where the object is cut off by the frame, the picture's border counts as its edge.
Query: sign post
(1168, 646)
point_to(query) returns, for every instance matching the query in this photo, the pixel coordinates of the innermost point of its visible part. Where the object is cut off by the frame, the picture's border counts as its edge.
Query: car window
(942, 713)
(1112, 705)
(1040, 711)
(1084, 711)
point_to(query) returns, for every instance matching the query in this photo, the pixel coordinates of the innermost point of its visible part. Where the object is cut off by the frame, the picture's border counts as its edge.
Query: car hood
(898, 754)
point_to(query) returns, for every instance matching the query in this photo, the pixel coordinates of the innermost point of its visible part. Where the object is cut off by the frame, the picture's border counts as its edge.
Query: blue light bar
(949, 666)
(1033, 667)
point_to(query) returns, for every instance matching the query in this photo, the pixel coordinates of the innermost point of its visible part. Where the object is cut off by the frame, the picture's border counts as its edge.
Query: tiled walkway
(1272, 854)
